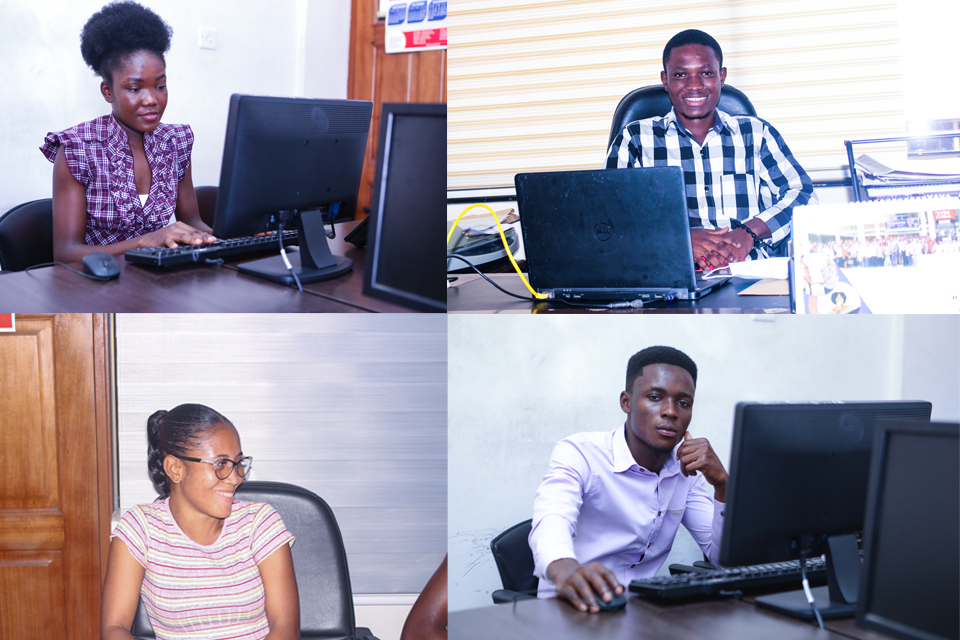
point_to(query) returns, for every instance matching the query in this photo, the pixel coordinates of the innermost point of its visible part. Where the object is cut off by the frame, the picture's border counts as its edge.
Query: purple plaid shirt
(99, 157)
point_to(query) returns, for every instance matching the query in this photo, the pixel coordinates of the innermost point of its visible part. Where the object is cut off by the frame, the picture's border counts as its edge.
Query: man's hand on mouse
(696, 454)
(581, 584)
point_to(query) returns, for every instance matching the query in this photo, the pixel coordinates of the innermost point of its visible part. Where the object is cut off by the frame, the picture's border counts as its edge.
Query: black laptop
(613, 234)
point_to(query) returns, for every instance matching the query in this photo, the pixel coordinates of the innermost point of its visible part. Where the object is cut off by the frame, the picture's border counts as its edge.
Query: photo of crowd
(882, 251)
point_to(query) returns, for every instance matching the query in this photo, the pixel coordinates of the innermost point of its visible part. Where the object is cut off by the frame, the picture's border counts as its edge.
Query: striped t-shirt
(200, 591)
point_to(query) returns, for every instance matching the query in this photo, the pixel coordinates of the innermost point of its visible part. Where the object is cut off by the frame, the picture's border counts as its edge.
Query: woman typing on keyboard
(122, 176)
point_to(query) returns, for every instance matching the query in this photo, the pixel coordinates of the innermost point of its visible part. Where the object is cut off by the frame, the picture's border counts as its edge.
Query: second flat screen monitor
(405, 263)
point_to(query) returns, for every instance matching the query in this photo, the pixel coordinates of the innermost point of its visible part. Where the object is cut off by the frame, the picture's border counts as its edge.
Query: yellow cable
(506, 246)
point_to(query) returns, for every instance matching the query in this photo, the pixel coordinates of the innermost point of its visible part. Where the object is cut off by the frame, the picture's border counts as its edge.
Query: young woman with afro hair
(123, 176)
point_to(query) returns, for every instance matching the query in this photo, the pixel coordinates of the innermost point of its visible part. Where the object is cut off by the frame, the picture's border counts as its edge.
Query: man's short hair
(691, 36)
(658, 355)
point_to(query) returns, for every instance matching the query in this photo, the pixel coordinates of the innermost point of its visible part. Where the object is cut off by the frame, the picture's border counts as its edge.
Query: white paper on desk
(769, 268)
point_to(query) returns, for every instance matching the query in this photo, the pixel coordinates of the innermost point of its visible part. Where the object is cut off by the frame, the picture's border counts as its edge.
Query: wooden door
(55, 475)
(380, 77)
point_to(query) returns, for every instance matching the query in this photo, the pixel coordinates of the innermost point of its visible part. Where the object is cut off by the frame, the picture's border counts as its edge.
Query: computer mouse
(101, 265)
(616, 603)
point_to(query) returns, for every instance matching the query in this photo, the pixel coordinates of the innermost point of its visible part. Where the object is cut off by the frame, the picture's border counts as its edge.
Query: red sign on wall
(7, 322)
(945, 214)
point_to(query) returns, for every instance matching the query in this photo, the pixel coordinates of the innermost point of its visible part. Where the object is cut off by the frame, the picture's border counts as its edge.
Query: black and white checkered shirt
(744, 169)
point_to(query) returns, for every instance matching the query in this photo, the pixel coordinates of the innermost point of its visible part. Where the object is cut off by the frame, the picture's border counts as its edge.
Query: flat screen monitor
(291, 161)
(405, 248)
(910, 585)
(797, 488)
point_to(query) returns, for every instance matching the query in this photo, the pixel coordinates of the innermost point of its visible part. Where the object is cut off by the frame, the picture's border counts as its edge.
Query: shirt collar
(623, 459)
(118, 135)
(718, 121)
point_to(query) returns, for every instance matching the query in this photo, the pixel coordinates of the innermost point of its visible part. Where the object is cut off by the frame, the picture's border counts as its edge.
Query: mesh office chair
(653, 101)
(515, 563)
(319, 560)
(26, 235)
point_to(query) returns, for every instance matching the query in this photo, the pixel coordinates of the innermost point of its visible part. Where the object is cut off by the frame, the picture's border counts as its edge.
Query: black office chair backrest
(653, 101)
(26, 235)
(207, 202)
(514, 559)
(319, 560)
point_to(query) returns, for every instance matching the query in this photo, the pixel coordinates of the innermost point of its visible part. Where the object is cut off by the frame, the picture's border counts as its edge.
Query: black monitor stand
(839, 598)
(312, 263)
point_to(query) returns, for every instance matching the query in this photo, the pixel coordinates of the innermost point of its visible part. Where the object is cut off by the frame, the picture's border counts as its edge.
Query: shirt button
(648, 545)
(659, 512)
(632, 566)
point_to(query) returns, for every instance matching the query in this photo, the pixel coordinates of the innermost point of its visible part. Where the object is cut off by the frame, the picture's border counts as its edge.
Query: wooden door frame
(58, 535)
(367, 37)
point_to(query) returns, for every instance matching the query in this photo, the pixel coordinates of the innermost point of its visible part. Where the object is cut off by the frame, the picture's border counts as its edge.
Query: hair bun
(176, 432)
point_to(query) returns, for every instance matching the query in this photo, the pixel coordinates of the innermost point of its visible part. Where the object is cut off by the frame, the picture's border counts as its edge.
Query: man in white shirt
(611, 502)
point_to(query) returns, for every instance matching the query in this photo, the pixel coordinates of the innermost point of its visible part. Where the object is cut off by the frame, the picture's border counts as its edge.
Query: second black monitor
(405, 259)
(798, 488)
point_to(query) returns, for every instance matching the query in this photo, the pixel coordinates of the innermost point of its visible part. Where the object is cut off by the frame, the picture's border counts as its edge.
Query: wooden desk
(471, 294)
(192, 288)
(552, 619)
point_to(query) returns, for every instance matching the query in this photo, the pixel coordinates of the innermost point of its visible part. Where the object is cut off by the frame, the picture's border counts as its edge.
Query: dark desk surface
(471, 294)
(553, 619)
(193, 288)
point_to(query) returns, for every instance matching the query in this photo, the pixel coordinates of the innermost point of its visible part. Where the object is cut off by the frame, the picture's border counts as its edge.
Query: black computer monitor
(797, 488)
(405, 246)
(910, 584)
(291, 161)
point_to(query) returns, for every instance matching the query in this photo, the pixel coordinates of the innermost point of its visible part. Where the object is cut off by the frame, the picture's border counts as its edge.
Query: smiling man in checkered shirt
(742, 181)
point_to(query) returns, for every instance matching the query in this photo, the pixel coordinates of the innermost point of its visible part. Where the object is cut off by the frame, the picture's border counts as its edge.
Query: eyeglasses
(223, 467)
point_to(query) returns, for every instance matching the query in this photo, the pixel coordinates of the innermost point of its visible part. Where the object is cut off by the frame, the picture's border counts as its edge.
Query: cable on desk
(283, 254)
(484, 276)
(806, 588)
(79, 273)
(627, 304)
(506, 246)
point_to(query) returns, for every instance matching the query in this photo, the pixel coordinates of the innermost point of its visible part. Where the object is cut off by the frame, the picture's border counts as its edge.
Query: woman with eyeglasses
(206, 564)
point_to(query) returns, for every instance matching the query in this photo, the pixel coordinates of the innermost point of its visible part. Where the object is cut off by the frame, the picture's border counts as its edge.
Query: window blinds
(533, 85)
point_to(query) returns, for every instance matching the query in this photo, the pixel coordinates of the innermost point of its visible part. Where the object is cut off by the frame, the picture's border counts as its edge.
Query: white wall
(281, 47)
(517, 384)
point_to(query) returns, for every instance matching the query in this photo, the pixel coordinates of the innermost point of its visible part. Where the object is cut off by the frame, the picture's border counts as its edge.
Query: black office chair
(320, 563)
(514, 559)
(26, 235)
(207, 202)
(653, 101)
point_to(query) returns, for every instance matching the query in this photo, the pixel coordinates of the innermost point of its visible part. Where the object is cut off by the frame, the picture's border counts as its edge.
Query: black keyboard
(221, 249)
(723, 581)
